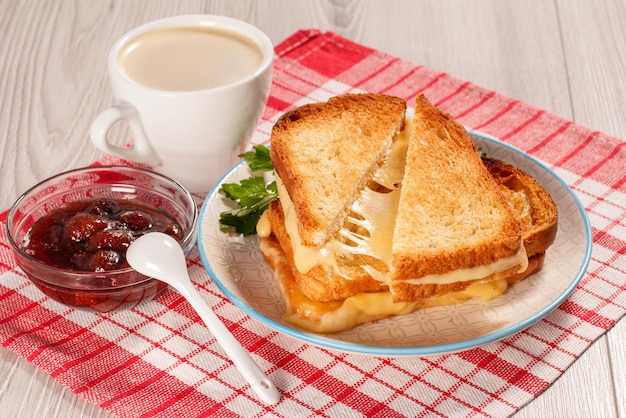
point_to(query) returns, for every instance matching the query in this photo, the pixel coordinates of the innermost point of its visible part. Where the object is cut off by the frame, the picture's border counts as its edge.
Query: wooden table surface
(564, 56)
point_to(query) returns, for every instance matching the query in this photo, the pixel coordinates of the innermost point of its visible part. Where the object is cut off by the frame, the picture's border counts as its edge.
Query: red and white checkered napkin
(159, 360)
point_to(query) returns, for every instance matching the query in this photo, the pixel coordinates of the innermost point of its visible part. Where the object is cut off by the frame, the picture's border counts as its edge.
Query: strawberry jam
(93, 234)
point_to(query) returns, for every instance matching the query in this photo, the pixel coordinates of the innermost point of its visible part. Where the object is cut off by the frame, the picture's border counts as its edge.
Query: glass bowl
(99, 290)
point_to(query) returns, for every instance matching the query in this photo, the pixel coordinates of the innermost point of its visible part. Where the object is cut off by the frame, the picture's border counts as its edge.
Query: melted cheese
(367, 307)
(337, 316)
(305, 257)
(264, 226)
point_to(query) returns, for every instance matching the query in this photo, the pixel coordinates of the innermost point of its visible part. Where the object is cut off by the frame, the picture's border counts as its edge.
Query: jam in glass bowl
(70, 233)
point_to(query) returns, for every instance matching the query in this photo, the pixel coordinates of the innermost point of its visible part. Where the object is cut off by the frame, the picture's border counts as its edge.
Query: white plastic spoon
(159, 256)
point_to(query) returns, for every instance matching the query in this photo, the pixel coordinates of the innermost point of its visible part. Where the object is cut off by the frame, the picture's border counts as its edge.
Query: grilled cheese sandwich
(359, 271)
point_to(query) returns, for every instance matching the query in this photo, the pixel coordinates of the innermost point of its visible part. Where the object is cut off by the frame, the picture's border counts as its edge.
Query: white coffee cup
(191, 121)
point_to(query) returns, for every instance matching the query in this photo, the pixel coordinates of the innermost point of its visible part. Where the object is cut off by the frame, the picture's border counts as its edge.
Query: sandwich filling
(337, 316)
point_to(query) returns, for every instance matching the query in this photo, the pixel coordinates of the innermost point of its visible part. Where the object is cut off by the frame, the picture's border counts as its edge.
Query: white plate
(237, 267)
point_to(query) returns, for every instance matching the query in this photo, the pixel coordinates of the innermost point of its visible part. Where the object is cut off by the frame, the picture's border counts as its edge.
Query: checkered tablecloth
(159, 360)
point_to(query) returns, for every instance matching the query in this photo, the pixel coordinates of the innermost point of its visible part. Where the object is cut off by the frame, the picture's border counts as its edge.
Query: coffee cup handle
(140, 151)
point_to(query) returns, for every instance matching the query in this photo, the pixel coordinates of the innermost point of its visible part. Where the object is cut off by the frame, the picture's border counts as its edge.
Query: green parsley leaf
(252, 195)
(248, 192)
(258, 159)
(244, 220)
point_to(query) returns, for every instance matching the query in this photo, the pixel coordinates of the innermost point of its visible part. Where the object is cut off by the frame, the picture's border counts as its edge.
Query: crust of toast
(439, 228)
(325, 153)
(531, 203)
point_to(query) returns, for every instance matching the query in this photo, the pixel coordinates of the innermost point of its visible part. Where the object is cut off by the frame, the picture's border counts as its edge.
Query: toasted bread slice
(451, 215)
(531, 203)
(325, 153)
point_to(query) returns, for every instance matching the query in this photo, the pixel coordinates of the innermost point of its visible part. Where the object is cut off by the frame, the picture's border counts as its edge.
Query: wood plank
(27, 391)
(594, 41)
(582, 391)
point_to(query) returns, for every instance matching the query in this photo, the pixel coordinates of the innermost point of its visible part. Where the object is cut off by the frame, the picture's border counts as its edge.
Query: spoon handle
(263, 386)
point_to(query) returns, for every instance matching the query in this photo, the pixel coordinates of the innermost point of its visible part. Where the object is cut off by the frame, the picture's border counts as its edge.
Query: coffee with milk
(191, 89)
(189, 58)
